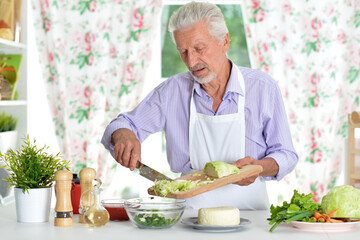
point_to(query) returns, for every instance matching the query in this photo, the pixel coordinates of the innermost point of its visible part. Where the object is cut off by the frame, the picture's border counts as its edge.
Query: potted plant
(8, 134)
(32, 173)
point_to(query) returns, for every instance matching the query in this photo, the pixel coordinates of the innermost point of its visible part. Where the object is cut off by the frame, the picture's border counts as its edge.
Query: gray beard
(206, 79)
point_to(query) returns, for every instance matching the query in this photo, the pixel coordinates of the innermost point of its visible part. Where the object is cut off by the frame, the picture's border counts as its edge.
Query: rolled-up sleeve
(278, 137)
(115, 124)
(145, 119)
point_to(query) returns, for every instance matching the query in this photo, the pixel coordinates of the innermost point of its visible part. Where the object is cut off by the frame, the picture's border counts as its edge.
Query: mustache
(198, 66)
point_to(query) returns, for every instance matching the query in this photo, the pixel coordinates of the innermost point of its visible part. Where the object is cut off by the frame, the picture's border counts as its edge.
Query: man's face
(202, 53)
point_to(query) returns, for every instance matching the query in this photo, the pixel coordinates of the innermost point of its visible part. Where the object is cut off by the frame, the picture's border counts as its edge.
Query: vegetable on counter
(301, 208)
(346, 199)
(325, 218)
(339, 205)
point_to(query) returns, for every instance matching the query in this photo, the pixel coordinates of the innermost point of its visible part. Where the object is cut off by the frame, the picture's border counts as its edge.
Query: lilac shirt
(167, 108)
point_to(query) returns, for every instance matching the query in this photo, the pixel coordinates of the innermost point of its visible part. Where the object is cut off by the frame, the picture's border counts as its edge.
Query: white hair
(195, 12)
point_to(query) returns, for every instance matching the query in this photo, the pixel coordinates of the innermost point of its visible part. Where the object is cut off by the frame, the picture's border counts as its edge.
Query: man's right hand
(127, 148)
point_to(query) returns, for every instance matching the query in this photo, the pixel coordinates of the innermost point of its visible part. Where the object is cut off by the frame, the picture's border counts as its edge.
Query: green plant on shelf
(7, 122)
(32, 167)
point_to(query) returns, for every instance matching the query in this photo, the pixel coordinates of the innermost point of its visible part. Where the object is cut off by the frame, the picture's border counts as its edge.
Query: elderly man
(216, 111)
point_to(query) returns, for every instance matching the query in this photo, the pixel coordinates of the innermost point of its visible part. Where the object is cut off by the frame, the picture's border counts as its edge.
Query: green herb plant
(7, 122)
(32, 167)
(301, 208)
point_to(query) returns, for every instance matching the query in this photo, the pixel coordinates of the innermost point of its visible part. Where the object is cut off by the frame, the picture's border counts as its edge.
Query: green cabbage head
(220, 169)
(345, 198)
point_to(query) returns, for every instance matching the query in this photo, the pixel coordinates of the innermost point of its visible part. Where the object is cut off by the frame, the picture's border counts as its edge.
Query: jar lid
(76, 178)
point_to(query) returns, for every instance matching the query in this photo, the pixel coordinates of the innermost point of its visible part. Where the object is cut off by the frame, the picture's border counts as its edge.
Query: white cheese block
(219, 216)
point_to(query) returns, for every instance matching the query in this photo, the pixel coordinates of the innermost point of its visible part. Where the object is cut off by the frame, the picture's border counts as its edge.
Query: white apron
(222, 138)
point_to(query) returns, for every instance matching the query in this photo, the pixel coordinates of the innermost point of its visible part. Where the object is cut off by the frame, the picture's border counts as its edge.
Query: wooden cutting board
(246, 171)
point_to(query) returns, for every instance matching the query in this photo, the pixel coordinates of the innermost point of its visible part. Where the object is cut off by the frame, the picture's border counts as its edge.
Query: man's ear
(226, 42)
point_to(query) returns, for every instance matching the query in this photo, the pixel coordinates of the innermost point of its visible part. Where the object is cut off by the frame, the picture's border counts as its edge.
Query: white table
(258, 229)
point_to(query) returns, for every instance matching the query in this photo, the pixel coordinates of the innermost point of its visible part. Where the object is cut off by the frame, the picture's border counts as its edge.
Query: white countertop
(258, 229)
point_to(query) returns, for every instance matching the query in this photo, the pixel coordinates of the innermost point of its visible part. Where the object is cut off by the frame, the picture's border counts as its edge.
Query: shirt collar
(233, 84)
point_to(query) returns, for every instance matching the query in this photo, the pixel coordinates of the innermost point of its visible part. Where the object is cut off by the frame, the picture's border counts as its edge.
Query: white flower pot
(34, 206)
(8, 140)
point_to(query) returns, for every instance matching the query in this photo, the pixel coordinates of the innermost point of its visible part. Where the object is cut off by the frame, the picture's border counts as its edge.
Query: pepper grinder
(63, 207)
(87, 176)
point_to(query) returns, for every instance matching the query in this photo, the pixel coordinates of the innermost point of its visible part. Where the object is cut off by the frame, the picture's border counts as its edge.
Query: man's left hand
(269, 165)
(243, 162)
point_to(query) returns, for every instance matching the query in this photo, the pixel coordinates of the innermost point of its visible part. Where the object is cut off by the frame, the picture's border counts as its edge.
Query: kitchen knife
(150, 173)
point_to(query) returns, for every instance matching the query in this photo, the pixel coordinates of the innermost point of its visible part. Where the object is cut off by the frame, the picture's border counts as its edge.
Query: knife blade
(150, 173)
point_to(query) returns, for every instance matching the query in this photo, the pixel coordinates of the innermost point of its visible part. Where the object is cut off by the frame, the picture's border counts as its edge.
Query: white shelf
(13, 103)
(355, 176)
(11, 44)
(18, 108)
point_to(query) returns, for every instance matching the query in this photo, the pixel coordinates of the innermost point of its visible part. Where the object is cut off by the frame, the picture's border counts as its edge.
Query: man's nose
(192, 58)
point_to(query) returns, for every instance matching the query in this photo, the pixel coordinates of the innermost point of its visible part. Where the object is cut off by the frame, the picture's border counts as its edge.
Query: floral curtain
(312, 48)
(94, 56)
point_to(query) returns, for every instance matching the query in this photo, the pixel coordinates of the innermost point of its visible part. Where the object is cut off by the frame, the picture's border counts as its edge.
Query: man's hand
(269, 165)
(127, 148)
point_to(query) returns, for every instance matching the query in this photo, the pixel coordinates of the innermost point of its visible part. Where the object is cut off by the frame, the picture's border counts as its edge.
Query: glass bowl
(154, 212)
(116, 209)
